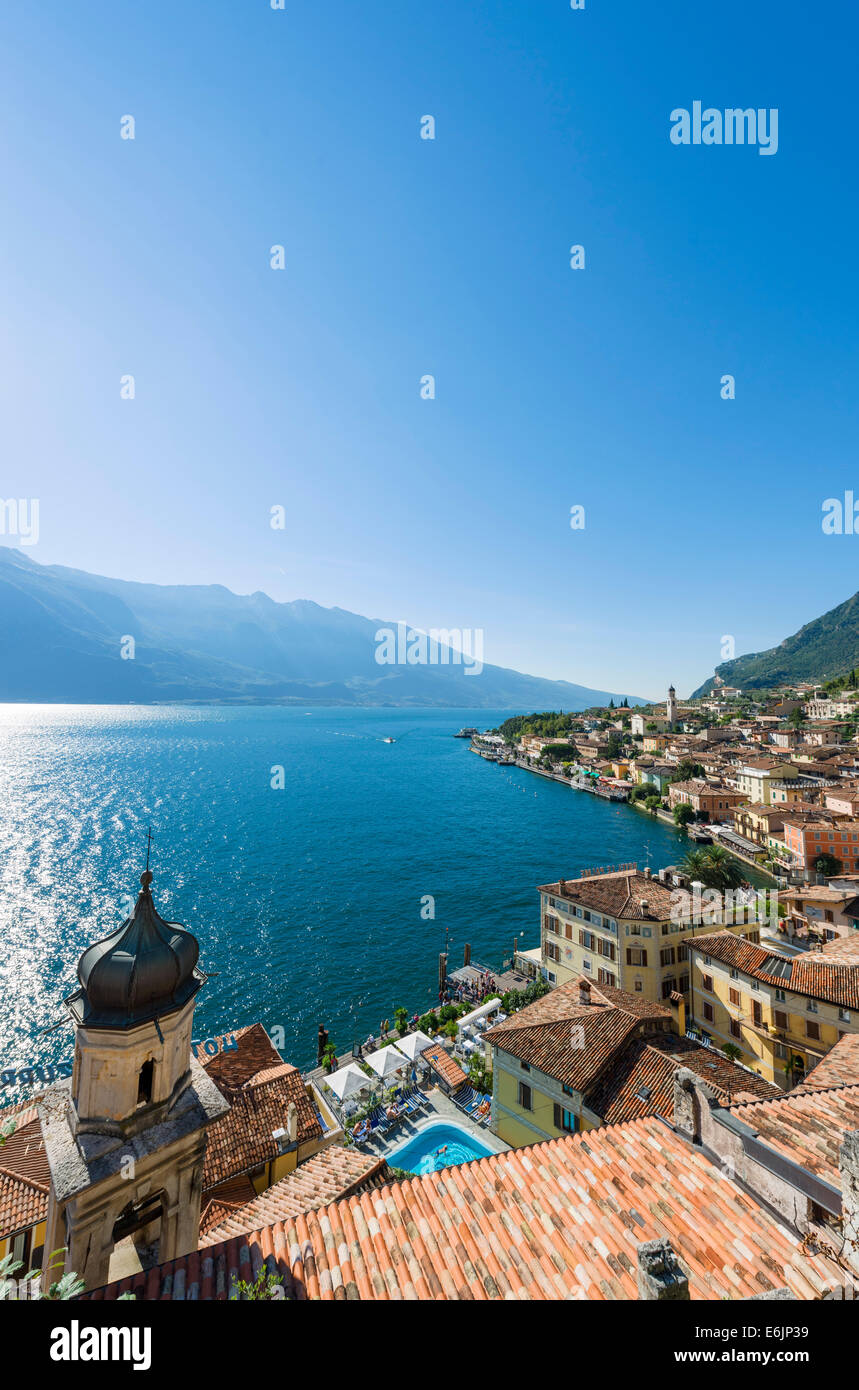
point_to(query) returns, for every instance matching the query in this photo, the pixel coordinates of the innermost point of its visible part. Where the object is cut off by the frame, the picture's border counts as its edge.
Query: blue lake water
(307, 900)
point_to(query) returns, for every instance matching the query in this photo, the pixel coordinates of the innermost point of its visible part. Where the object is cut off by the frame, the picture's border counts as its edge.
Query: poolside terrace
(437, 1106)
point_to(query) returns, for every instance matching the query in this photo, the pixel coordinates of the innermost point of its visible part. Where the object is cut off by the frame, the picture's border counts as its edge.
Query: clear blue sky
(404, 257)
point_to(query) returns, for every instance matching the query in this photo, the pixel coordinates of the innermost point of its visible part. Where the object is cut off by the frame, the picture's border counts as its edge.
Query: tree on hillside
(683, 814)
(796, 718)
(686, 770)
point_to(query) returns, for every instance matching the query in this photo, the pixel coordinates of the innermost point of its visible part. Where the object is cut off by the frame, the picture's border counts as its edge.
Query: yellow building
(755, 779)
(782, 1013)
(545, 1058)
(583, 1056)
(628, 929)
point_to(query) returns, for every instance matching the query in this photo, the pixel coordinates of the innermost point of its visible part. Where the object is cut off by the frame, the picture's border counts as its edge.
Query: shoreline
(662, 815)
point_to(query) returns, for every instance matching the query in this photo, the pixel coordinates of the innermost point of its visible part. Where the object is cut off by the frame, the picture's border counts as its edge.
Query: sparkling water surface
(306, 901)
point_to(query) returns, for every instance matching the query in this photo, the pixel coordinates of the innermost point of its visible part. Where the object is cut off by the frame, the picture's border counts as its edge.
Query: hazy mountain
(61, 632)
(823, 649)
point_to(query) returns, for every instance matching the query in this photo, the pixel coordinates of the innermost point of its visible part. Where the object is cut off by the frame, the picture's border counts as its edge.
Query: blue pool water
(421, 1154)
(310, 902)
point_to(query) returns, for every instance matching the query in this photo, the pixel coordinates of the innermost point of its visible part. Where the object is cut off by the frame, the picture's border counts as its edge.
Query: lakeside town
(679, 1052)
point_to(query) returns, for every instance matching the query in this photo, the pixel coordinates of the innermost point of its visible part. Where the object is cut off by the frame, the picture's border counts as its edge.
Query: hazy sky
(598, 387)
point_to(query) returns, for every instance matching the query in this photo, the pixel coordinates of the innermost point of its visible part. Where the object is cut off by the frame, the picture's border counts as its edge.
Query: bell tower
(671, 706)
(126, 1137)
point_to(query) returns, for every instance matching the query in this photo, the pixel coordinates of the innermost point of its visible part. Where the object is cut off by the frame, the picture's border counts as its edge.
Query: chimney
(292, 1122)
(562, 885)
(648, 873)
(849, 1164)
(466, 954)
(661, 1277)
(644, 904)
(584, 991)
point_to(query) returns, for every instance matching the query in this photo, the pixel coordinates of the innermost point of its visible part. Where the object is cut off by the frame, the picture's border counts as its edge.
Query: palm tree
(714, 867)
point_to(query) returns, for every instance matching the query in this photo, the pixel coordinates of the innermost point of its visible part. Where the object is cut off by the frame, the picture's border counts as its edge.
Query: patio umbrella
(386, 1061)
(413, 1043)
(348, 1081)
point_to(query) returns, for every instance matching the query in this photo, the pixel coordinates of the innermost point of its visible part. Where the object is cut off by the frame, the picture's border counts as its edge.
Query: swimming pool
(421, 1154)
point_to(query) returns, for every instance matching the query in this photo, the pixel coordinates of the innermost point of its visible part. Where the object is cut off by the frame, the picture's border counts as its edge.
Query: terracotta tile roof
(442, 1062)
(24, 1173)
(327, 1176)
(242, 1141)
(240, 1055)
(560, 1220)
(640, 1079)
(814, 976)
(807, 1126)
(840, 1067)
(843, 948)
(570, 1040)
(616, 895)
(221, 1201)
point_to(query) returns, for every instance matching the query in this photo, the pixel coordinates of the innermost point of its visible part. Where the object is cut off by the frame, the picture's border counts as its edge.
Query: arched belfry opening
(144, 1082)
(126, 1136)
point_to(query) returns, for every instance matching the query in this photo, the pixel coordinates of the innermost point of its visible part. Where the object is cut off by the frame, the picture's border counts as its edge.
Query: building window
(757, 1012)
(843, 1015)
(708, 1012)
(526, 1066)
(144, 1083)
(707, 983)
(636, 956)
(524, 1096)
(666, 957)
(812, 1028)
(588, 940)
(735, 1028)
(734, 996)
(566, 1120)
(812, 1006)
(780, 1020)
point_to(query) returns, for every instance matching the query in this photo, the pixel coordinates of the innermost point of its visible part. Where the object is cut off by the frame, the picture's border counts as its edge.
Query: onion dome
(143, 970)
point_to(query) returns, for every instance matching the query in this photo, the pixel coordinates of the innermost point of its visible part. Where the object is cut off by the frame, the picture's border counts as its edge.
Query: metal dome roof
(144, 969)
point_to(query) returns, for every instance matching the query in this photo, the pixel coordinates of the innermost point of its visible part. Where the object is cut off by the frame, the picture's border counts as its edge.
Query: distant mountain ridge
(824, 648)
(61, 632)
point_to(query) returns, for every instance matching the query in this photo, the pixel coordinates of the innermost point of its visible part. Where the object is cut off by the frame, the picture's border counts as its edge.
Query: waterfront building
(627, 929)
(755, 778)
(584, 1056)
(782, 1013)
(806, 839)
(713, 803)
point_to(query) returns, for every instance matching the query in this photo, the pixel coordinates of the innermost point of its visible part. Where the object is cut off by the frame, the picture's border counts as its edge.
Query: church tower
(671, 706)
(126, 1137)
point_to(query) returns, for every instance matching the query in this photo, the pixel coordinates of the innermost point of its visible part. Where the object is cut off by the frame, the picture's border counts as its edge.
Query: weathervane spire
(146, 876)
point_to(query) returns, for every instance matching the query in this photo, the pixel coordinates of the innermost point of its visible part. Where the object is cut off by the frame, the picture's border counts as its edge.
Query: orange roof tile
(327, 1176)
(814, 976)
(807, 1126)
(24, 1173)
(442, 1062)
(559, 1220)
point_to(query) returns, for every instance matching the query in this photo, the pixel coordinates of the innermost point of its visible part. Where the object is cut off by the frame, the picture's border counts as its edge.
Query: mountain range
(824, 648)
(63, 634)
